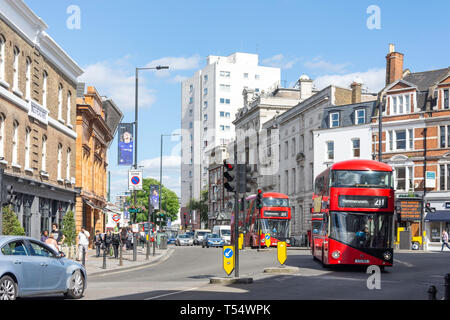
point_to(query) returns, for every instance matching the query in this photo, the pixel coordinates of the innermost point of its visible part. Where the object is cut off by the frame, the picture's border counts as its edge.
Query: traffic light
(229, 183)
(8, 196)
(245, 178)
(259, 199)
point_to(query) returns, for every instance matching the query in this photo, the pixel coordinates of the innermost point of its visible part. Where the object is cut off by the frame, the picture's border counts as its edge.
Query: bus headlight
(336, 254)
(387, 256)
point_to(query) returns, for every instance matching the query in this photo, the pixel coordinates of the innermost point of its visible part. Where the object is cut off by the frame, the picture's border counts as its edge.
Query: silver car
(184, 240)
(29, 267)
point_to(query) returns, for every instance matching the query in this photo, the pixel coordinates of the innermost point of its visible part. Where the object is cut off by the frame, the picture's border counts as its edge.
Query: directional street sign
(228, 259)
(282, 252)
(134, 180)
(268, 242)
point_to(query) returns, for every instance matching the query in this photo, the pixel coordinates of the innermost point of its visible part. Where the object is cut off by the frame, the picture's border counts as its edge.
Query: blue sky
(327, 40)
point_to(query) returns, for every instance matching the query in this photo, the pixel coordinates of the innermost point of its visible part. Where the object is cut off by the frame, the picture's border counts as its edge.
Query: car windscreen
(226, 232)
(214, 235)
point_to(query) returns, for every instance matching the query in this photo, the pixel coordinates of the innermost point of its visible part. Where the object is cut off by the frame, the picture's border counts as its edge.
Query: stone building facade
(37, 118)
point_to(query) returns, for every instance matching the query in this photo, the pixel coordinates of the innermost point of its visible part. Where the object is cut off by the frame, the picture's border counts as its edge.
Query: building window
(15, 143)
(205, 104)
(400, 139)
(44, 89)
(59, 164)
(400, 104)
(191, 88)
(444, 177)
(294, 181)
(44, 154)
(205, 91)
(334, 119)
(16, 69)
(2, 135)
(444, 136)
(286, 149)
(69, 106)
(27, 147)
(225, 74)
(191, 100)
(245, 75)
(411, 139)
(224, 101)
(205, 78)
(446, 99)
(293, 147)
(400, 175)
(356, 148)
(2, 58)
(225, 87)
(286, 176)
(330, 150)
(68, 163)
(391, 140)
(360, 116)
(60, 93)
(257, 77)
(28, 80)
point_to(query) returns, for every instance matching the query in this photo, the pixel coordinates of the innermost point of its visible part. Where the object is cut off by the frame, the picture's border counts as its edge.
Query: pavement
(94, 264)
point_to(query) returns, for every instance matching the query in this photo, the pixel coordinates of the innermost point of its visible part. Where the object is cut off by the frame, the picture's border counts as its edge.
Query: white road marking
(172, 293)
(409, 265)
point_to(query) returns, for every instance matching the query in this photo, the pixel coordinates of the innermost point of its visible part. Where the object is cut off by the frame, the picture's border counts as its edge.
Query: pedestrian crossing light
(259, 199)
(229, 177)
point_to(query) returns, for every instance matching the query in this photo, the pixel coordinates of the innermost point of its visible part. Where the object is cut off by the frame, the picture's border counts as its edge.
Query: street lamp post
(136, 140)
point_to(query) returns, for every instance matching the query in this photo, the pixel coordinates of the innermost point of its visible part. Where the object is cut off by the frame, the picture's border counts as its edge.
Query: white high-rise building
(209, 102)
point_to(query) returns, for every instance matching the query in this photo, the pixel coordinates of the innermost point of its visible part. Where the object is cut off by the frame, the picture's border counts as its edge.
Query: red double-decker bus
(272, 219)
(352, 218)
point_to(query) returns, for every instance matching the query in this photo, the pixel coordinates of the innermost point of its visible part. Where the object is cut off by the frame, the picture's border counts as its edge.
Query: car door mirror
(60, 255)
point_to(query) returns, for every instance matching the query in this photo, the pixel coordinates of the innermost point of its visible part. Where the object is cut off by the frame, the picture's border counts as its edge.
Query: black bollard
(104, 258)
(432, 291)
(154, 246)
(447, 287)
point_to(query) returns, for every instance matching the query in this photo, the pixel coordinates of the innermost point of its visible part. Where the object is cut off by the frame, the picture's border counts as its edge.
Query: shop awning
(439, 215)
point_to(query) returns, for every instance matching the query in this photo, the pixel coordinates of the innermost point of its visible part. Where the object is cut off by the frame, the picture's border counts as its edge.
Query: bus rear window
(361, 179)
(275, 202)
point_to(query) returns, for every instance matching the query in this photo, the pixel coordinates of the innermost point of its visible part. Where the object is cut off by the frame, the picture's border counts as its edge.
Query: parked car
(29, 267)
(199, 235)
(213, 240)
(184, 240)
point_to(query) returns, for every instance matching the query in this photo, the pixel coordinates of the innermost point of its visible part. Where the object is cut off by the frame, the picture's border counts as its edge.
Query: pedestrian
(123, 236)
(97, 242)
(444, 240)
(83, 243)
(57, 234)
(52, 243)
(108, 241)
(44, 236)
(116, 243)
(129, 239)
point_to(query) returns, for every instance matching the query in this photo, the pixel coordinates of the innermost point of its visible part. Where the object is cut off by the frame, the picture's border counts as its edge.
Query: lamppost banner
(154, 195)
(125, 147)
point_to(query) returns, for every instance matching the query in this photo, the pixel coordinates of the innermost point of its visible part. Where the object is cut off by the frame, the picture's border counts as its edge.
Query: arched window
(59, 161)
(44, 89)
(27, 147)
(2, 58)
(44, 154)
(28, 80)
(68, 163)
(15, 142)
(69, 106)
(16, 69)
(60, 93)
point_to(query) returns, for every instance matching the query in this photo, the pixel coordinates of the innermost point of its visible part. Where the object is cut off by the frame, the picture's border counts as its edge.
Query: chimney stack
(394, 65)
(356, 91)
(305, 84)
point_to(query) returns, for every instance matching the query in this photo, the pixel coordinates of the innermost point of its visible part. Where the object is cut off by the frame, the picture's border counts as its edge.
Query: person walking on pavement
(98, 243)
(129, 240)
(83, 243)
(52, 243)
(108, 241)
(116, 243)
(57, 234)
(444, 240)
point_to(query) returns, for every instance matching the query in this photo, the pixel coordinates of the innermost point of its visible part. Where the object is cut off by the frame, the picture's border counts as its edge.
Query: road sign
(268, 242)
(116, 218)
(134, 180)
(282, 252)
(228, 259)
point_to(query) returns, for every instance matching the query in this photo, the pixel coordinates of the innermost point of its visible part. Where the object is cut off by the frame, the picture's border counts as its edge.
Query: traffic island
(230, 280)
(282, 270)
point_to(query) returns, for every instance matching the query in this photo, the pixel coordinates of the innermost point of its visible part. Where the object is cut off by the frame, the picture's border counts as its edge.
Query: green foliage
(169, 201)
(11, 224)
(68, 228)
(200, 205)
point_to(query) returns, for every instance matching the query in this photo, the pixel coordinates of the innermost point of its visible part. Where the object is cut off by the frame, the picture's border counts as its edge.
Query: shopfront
(435, 223)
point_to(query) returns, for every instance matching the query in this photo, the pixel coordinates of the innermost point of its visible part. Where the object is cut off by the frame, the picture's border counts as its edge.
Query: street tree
(201, 206)
(11, 224)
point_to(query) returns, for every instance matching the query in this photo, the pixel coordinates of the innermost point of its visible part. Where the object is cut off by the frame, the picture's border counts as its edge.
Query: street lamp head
(162, 67)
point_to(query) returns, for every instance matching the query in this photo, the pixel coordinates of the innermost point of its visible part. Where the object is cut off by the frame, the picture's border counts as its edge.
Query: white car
(184, 240)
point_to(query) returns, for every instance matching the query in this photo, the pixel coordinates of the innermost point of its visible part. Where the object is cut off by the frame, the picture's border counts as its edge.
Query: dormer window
(400, 104)
(360, 116)
(334, 119)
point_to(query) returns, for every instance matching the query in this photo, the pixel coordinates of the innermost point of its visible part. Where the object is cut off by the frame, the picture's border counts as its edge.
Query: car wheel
(76, 285)
(415, 246)
(8, 288)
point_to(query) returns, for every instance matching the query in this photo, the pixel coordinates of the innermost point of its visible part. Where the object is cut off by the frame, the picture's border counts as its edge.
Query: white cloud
(177, 63)
(318, 63)
(168, 162)
(373, 79)
(116, 80)
(178, 78)
(279, 61)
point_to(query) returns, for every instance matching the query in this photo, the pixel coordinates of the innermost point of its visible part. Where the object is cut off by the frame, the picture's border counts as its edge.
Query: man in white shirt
(83, 242)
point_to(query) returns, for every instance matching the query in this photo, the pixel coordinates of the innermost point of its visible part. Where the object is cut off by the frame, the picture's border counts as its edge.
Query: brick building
(97, 120)
(37, 117)
(415, 141)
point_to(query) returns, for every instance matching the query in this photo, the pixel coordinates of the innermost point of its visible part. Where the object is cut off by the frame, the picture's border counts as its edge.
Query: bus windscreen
(361, 179)
(275, 202)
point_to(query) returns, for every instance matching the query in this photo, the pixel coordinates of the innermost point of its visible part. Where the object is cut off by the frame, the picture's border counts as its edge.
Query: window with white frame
(356, 148)
(245, 75)
(44, 154)
(445, 100)
(68, 163)
(444, 177)
(404, 178)
(225, 74)
(205, 91)
(2, 58)
(69, 106)
(2, 135)
(360, 116)
(27, 147)
(286, 149)
(330, 150)
(225, 87)
(44, 89)
(400, 139)
(224, 101)
(444, 134)
(15, 143)
(59, 162)
(28, 80)
(334, 119)
(205, 104)
(401, 104)
(60, 99)
(16, 69)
